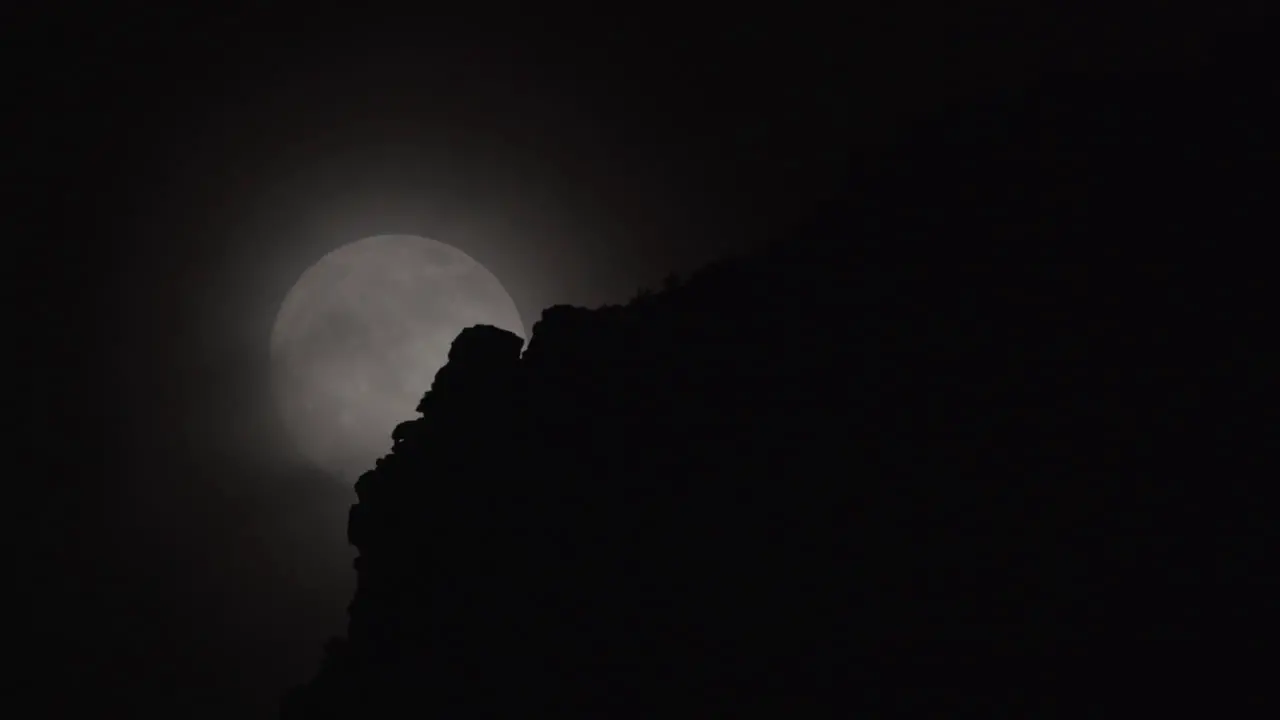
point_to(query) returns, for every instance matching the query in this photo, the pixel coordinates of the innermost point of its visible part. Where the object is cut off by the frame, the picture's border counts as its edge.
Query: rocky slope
(816, 474)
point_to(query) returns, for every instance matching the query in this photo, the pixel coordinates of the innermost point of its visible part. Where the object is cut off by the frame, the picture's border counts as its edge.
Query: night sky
(177, 172)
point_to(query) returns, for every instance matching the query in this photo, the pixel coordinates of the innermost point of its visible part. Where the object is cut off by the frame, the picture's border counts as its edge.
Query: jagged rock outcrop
(653, 506)
(809, 475)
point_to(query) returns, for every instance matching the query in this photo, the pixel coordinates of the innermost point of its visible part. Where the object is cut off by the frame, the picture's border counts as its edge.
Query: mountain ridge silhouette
(862, 466)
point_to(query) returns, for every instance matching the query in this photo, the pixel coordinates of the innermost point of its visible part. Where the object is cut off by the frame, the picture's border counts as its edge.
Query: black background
(173, 172)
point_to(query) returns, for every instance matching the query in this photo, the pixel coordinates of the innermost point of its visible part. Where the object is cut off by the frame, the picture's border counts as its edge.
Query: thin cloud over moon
(362, 334)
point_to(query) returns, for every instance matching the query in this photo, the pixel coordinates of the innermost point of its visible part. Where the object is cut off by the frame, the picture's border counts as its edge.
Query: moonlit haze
(245, 240)
(361, 335)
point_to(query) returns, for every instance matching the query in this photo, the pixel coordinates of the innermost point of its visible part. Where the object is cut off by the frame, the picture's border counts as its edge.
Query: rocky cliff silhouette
(952, 441)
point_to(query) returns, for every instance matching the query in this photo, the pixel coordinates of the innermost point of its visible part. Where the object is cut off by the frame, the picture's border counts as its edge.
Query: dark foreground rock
(966, 440)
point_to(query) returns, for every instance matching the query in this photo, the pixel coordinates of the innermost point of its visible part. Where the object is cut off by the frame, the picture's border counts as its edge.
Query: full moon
(360, 337)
